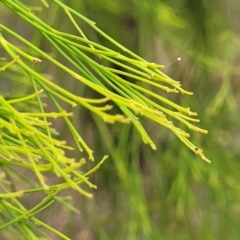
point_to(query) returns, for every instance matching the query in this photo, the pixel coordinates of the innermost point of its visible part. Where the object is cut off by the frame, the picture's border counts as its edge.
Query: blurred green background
(169, 193)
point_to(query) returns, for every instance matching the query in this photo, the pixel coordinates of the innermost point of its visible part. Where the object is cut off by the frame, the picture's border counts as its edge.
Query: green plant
(27, 139)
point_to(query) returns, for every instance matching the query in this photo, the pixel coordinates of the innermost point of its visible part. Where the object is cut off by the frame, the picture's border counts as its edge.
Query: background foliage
(168, 193)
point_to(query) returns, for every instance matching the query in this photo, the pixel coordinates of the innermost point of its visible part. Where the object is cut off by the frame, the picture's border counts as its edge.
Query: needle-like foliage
(29, 142)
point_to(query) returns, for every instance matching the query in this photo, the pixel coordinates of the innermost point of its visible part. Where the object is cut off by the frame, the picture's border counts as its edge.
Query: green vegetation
(94, 80)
